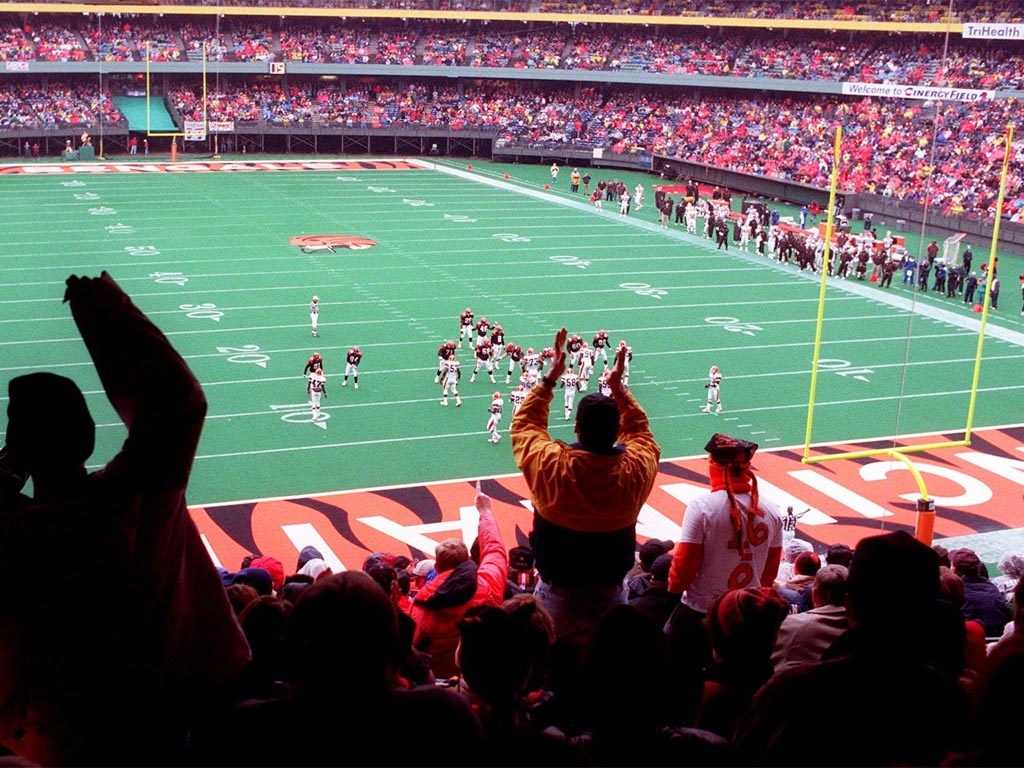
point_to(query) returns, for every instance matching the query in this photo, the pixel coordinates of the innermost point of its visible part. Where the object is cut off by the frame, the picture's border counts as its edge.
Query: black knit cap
(724, 449)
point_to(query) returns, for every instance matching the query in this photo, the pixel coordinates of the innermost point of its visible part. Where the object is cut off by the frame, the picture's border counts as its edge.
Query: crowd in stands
(929, 11)
(795, 55)
(579, 649)
(58, 105)
(886, 146)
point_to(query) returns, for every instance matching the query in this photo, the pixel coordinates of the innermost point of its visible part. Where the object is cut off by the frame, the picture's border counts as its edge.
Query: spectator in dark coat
(655, 600)
(983, 602)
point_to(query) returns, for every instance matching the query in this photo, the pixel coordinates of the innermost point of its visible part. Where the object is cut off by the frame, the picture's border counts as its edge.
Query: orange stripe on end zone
(976, 489)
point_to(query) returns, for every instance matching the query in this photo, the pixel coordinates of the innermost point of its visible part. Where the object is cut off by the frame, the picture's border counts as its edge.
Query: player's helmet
(468, 310)
(483, 320)
(497, 396)
(622, 343)
(529, 350)
(451, 345)
(510, 348)
(601, 332)
(316, 299)
(355, 349)
(520, 387)
(497, 328)
(585, 346)
(316, 355)
(714, 369)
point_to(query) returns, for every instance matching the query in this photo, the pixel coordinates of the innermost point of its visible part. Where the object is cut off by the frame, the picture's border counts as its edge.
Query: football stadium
(784, 240)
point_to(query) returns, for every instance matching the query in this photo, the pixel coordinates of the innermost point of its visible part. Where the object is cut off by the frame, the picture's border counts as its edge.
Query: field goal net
(951, 249)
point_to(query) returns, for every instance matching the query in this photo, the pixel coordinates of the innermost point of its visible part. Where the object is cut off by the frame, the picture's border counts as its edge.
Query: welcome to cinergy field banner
(923, 92)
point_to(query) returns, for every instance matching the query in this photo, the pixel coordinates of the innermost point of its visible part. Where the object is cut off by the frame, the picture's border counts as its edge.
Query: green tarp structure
(135, 109)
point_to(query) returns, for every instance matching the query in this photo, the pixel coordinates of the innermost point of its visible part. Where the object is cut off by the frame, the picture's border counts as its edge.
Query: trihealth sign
(994, 31)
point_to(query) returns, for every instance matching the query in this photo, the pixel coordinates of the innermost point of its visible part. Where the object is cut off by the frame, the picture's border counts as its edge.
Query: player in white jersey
(745, 235)
(451, 376)
(713, 388)
(638, 196)
(516, 397)
(532, 362)
(602, 384)
(690, 217)
(483, 357)
(495, 410)
(625, 362)
(586, 366)
(528, 380)
(314, 313)
(570, 382)
(317, 388)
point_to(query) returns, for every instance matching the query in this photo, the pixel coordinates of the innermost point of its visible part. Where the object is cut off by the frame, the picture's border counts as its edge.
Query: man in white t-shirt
(731, 539)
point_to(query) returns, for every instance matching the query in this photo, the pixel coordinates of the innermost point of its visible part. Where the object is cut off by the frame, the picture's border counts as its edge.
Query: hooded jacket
(441, 602)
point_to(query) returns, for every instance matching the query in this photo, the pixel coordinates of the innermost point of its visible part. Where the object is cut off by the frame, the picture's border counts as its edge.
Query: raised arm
(145, 379)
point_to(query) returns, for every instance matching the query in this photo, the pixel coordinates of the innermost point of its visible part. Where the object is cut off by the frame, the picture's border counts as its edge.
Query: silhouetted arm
(147, 382)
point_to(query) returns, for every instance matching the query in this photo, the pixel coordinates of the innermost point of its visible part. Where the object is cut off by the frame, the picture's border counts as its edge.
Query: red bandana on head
(729, 468)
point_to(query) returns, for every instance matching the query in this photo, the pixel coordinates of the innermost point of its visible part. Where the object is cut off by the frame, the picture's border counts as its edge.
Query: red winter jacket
(441, 603)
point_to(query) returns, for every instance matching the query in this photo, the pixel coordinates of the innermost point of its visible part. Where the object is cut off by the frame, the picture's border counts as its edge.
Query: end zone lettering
(202, 167)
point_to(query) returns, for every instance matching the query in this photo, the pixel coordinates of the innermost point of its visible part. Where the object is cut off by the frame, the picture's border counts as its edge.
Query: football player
(466, 326)
(713, 385)
(483, 329)
(317, 388)
(601, 347)
(446, 351)
(570, 382)
(452, 374)
(314, 313)
(495, 410)
(314, 363)
(516, 397)
(514, 353)
(483, 356)
(573, 347)
(352, 367)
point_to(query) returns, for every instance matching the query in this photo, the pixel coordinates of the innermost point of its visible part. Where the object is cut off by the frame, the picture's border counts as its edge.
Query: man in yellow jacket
(586, 496)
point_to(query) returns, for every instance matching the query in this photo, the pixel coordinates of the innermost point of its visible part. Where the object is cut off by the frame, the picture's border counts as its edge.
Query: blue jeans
(575, 610)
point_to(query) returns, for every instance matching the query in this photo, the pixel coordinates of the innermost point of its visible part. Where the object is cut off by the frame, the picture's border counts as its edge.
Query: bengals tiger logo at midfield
(313, 243)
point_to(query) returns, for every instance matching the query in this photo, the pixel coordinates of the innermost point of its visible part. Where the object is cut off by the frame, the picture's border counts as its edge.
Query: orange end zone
(976, 490)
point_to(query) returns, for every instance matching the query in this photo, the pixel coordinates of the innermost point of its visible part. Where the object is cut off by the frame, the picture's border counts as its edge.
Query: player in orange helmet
(497, 402)
(352, 367)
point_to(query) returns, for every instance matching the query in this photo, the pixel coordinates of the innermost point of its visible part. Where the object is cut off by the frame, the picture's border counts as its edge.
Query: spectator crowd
(735, 643)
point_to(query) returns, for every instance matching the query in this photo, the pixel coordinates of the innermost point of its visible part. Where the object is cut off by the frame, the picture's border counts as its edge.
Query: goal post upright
(924, 527)
(174, 134)
(829, 224)
(991, 272)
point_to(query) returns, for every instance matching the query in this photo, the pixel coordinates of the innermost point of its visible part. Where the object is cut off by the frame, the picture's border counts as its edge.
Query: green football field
(207, 257)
